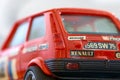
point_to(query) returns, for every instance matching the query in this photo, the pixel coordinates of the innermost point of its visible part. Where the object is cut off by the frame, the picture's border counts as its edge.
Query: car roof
(81, 10)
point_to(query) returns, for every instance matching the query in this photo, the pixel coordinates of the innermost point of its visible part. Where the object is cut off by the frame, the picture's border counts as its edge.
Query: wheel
(34, 73)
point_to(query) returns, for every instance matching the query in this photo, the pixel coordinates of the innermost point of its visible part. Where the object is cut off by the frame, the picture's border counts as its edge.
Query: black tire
(34, 73)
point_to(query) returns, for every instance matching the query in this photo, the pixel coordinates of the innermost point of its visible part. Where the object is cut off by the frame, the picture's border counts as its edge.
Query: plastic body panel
(56, 49)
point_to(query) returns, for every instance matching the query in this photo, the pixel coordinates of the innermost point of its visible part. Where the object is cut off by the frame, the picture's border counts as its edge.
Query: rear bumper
(88, 68)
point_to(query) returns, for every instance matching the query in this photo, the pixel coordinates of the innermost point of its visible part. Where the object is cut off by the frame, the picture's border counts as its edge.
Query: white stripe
(14, 69)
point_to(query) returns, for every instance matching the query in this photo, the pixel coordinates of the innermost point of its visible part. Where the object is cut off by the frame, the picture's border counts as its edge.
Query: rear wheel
(34, 73)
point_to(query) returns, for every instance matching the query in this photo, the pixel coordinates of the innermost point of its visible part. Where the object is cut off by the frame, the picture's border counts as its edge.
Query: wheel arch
(40, 63)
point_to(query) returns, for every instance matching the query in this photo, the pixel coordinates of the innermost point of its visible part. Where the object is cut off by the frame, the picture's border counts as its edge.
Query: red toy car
(65, 43)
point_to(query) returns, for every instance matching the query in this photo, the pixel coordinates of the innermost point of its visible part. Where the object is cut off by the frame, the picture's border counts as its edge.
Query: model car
(62, 43)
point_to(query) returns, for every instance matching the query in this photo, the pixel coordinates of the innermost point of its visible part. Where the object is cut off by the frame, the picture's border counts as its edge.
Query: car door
(35, 38)
(10, 63)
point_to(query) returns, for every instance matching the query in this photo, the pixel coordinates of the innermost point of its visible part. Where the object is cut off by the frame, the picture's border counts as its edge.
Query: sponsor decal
(35, 48)
(117, 55)
(100, 45)
(76, 37)
(43, 46)
(81, 53)
(110, 38)
(30, 49)
(114, 39)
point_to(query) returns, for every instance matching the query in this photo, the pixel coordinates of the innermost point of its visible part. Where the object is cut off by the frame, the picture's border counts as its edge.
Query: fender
(40, 63)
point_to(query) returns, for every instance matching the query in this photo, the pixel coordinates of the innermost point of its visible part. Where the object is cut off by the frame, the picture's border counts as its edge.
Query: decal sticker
(117, 55)
(34, 48)
(114, 39)
(100, 45)
(105, 38)
(30, 49)
(110, 38)
(76, 37)
(4, 69)
(12, 69)
(43, 46)
(82, 53)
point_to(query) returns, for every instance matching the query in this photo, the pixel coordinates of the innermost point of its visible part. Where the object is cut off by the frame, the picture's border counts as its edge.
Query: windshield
(88, 24)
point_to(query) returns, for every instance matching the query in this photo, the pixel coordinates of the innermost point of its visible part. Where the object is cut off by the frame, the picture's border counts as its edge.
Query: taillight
(59, 43)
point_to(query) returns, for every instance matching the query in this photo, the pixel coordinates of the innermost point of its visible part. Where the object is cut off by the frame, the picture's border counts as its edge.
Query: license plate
(100, 45)
(81, 53)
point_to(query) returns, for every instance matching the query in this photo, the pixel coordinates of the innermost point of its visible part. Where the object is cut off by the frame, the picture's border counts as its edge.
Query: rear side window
(37, 28)
(89, 24)
(20, 35)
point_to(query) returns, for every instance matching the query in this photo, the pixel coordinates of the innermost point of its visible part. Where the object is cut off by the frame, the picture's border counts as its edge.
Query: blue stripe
(10, 70)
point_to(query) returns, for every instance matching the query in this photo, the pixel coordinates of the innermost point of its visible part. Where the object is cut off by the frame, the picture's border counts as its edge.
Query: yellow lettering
(72, 53)
(80, 53)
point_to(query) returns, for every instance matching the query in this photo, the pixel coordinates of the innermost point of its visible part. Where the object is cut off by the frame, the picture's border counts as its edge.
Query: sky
(12, 10)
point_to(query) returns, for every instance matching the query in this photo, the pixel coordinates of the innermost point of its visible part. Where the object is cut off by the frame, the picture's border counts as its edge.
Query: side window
(37, 28)
(20, 34)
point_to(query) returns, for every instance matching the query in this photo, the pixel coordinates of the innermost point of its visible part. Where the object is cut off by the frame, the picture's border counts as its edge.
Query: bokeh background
(12, 10)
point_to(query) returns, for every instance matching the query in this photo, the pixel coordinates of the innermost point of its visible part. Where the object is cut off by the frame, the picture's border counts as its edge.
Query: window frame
(14, 29)
(116, 26)
(87, 12)
(31, 21)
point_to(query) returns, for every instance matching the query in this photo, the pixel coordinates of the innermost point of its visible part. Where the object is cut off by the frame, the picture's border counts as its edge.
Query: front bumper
(88, 68)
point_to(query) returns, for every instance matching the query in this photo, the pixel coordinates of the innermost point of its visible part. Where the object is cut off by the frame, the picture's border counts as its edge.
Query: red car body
(65, 43)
